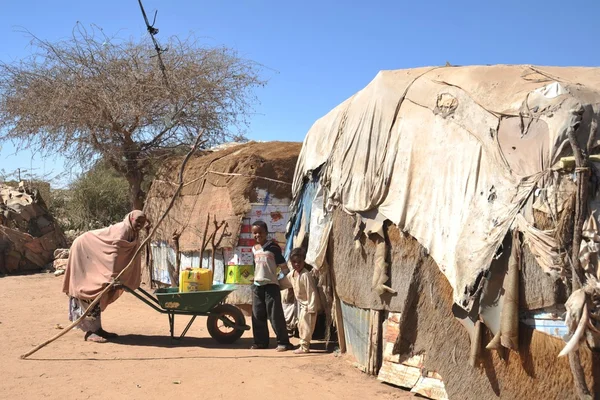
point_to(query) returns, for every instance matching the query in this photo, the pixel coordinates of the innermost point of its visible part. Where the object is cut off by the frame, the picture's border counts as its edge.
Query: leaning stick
(111, 284)
(583, 171)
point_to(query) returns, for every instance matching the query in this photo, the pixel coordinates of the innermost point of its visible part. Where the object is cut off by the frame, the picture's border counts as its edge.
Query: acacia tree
(91, 96)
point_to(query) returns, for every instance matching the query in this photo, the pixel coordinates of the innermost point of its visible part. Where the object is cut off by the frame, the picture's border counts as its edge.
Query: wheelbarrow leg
(187, 327)
(172, 325)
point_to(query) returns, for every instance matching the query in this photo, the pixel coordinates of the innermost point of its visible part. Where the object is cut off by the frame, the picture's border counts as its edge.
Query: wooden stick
(339, 319)
(582, 171)
(204, 237)
(578, 279)
(214, 237)
(375, 338)
(141, 246)
(475, 353)
(174, 272)
(579, 376)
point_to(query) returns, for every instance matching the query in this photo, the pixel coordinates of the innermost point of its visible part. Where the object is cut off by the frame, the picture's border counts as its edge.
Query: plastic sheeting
(302, 214)
(450, 155)
(319, 227)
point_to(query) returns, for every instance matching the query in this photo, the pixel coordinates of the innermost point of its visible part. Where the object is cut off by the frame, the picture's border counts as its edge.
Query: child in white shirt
(305, 290)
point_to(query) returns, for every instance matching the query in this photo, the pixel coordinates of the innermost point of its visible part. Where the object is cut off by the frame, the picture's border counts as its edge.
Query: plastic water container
(195, 280)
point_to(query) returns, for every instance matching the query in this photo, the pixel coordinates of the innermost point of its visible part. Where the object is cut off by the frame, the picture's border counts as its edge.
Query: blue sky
(318, 53)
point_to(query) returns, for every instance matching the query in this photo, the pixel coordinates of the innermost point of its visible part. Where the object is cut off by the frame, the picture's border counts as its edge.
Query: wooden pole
(475, 353)
(174, 272)
(578, 280)
(375, 339)
(137, 252)
(579, 376)
(583, 175)
(337, 307)
(214, 243)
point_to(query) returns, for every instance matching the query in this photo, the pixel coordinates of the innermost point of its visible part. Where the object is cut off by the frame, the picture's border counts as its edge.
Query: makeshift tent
(453, 172)
(226, 189)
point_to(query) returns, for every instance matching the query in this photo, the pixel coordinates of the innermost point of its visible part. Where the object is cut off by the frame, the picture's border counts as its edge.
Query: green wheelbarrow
(225, 323)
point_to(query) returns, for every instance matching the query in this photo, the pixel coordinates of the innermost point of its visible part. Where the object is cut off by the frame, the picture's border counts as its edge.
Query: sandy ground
(144, 365)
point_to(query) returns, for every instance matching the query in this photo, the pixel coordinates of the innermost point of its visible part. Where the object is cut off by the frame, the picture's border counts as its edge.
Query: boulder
(29, 235)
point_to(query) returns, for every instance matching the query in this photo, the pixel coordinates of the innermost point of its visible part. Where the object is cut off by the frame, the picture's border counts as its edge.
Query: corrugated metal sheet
(162, 256)
(191, 260)
(356, 329)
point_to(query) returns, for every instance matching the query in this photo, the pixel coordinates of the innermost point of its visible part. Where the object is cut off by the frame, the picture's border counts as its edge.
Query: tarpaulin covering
(451, 155)
(299, 228)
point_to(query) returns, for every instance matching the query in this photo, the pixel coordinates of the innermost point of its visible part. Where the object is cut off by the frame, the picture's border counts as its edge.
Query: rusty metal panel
(356, 329)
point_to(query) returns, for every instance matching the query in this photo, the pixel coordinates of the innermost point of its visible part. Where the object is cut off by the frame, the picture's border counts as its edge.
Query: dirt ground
(143, 365)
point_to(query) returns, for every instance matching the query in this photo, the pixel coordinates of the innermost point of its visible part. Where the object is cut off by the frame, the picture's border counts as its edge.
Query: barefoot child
(266, 294)
(307, 297)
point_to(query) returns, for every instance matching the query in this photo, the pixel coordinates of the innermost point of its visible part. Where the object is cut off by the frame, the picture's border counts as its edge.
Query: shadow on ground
(317, 349)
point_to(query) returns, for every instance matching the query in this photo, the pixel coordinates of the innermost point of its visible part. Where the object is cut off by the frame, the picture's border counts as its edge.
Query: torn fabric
(450, 155)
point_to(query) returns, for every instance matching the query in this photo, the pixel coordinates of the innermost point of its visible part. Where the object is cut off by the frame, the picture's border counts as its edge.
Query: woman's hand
(116, 285)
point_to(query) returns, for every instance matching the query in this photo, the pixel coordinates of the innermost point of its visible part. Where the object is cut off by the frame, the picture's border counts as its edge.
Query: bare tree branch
(95, 96)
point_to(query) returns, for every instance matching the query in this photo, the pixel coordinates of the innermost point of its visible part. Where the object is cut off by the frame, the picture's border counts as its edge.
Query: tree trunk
(136, 194)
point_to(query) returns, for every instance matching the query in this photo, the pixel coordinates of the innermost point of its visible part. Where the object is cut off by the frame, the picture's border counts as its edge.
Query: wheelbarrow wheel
(218, 328)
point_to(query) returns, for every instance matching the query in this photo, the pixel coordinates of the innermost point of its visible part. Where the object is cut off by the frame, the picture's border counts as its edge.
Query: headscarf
(98, 256)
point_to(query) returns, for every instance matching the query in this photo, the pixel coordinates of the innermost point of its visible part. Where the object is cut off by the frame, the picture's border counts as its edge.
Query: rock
(60, 264)
(61, 254)
(28, 233)
(59, 272)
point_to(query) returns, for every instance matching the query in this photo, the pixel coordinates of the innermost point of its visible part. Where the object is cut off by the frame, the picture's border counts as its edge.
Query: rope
(225, 174)
(249, 176)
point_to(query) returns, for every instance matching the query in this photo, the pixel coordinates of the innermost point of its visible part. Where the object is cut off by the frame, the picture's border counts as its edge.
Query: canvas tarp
(450, 154)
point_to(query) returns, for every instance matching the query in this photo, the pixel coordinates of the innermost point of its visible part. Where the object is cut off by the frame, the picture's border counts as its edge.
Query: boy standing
(307, 297)
(266, 295)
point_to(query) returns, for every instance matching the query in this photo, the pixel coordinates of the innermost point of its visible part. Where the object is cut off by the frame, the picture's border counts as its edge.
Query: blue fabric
(309, 191)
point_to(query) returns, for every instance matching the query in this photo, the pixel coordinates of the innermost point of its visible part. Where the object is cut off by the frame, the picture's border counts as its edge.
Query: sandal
(92, 337)
(258, 347)
(106, 335)
(301, 351)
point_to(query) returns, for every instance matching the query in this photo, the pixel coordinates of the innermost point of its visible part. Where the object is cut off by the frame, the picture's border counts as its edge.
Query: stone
(60, 264)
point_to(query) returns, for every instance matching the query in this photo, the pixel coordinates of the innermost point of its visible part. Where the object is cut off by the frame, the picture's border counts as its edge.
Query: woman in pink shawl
(97, 257)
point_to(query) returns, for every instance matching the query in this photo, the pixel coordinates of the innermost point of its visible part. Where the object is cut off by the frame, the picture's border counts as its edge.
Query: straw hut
(444, 204)
(226, 189)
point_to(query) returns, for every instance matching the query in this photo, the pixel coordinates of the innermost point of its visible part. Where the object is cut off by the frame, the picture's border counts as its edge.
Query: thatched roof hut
(226, 188)
(439, 200)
